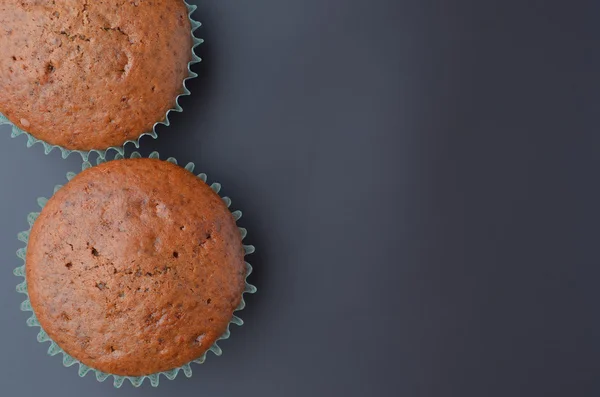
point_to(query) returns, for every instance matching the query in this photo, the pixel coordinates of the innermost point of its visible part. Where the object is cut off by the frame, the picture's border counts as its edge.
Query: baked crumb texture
(134, 268)
(89, 75)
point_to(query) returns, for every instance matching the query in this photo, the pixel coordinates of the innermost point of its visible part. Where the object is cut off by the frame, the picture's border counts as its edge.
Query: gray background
(420, 179)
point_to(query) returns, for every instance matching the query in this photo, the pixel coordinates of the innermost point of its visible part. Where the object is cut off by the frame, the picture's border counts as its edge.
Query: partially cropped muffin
(135, 267)
(88, 75)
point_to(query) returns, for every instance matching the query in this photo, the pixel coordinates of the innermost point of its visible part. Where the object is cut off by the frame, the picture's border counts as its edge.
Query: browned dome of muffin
(87, 74)
(135, 267)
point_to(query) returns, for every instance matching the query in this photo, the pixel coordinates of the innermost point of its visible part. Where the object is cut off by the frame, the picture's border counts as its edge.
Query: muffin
(89, 75)
(135, 267)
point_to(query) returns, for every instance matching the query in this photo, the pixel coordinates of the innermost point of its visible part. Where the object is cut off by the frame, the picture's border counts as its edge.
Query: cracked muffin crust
(135, 267)
(86, 74)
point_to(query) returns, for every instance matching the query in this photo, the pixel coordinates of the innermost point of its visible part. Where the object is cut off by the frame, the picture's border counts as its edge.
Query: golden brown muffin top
(88, 74)
(135, 267)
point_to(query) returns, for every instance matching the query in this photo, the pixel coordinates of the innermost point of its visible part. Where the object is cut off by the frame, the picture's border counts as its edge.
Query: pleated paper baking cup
(102, 152)
(67, 360)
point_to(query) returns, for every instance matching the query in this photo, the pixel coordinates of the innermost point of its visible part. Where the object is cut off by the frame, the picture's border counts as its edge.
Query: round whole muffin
(91, 74)
(135, 267)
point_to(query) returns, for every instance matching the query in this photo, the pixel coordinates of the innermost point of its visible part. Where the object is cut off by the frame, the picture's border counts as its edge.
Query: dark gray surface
(420, 180)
